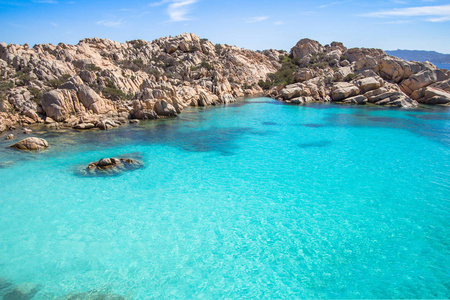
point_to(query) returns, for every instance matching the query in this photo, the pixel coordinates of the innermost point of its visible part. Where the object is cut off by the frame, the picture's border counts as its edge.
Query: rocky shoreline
(99, 83)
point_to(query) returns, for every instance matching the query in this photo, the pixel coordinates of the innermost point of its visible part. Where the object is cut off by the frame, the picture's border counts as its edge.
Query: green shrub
(54, 83)
(6, 85)
(194, 68)
(349, 77)
(193, 49)
(92, 68)
(37, 94)
(206, 65)
(115, 94)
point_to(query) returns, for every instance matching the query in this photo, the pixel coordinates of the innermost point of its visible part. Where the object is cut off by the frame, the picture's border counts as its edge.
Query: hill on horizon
(421, 55)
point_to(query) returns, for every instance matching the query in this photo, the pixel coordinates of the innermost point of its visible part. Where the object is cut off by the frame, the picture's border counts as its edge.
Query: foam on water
(255, 199)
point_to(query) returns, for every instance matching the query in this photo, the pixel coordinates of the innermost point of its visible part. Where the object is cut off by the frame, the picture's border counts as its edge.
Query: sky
(251, 24)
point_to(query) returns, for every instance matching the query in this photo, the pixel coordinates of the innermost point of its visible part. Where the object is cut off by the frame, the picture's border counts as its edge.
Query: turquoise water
(253, 200)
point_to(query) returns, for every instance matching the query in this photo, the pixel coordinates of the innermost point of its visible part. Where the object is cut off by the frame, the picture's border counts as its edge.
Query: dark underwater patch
(313, 125)
(269, 123)
(318, 144)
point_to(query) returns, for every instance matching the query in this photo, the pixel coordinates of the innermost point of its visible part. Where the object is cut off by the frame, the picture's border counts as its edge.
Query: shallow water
(252, 200)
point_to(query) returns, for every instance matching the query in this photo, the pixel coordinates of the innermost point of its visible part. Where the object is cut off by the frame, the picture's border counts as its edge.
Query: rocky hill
(102, 83)
(357, 76)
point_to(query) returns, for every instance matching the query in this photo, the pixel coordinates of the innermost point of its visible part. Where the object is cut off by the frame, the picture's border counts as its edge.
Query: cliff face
(102, 83)
(358, 76)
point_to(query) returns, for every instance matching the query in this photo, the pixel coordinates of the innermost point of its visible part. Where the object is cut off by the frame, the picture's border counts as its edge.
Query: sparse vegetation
(284, 75)
(37, 94)
(206, 65)
(349, 77)
(92, 68)
(113, 93)
(54, 83)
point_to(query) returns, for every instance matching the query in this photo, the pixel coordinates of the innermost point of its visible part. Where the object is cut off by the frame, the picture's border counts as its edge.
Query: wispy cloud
(278, 23)
(334, 3)
(178, 10)
(54, 24)
(109, 23)
(257, 19)
(439, 13)
(46, 1)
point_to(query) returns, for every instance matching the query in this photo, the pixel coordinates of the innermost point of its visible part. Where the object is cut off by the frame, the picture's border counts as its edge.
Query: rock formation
(102, 83)
(110, 167)
(99, 83)
(358, 76)
(31, 144)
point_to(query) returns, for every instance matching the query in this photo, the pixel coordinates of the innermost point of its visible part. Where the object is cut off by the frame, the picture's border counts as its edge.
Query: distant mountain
(421, 55)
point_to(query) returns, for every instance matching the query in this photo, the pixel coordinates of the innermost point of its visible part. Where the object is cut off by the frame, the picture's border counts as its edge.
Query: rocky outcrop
(31, 143)
(359, 76)
(100, 79)
(99, 83)
(110, 167)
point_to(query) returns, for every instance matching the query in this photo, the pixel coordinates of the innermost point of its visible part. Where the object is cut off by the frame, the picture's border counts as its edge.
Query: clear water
(253, 200)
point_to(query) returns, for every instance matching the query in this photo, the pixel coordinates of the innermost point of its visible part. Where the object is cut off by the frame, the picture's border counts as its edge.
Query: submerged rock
(111, 166)
(23, 291)
(10, 136)
(93, 295)
(31, 143)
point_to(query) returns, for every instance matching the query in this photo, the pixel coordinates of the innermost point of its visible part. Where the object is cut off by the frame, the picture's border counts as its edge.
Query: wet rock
(31, 143)
(84, 126)
(134, 121)
(10, 136)
(111, 166)
(27, 131)
(356, 100)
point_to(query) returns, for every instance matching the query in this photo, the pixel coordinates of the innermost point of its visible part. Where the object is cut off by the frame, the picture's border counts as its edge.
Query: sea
(257, 199)
(443, 66)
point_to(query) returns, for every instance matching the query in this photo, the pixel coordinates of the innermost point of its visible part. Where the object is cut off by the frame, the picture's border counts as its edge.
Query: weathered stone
(360, 99)
(368, 84)
(10, 136)
(60, 104)
(84, 126)
(110, 167)
(342, 90)
(31, 143)
(422, 79)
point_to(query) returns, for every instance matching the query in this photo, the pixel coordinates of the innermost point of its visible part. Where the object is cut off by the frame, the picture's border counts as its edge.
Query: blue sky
(253, 24)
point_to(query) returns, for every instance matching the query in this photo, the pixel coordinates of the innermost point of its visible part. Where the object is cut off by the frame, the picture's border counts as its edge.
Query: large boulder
(60, 104)
(92, 101)
(306, 47)
(423, 79)
(342, 90)
(368, 84)
(31, 143)
(163, 108)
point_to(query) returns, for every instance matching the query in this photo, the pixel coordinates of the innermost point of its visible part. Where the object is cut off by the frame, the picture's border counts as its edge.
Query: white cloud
(257, 19)
(179, 9)
(278, 23)
(440, 13)
(54, 24)
(108, 23)
(176, 9)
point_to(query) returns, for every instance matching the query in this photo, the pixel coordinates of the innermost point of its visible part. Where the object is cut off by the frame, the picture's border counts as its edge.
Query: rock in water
(23, 291)
(31, 143)
(110, 167)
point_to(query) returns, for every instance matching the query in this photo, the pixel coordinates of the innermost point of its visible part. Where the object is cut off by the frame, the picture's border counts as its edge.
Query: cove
(250, 200)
